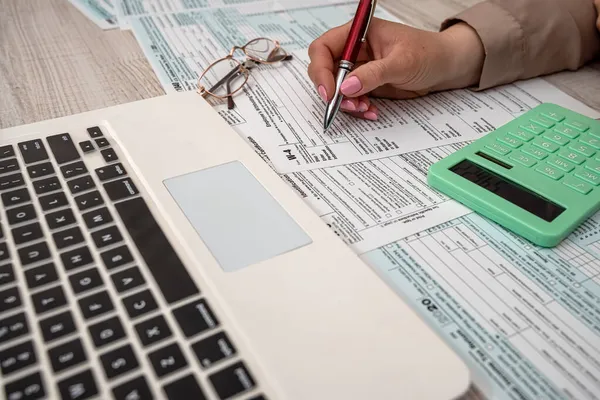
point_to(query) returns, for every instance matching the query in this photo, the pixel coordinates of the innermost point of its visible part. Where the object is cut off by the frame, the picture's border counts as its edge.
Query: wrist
(463, 56)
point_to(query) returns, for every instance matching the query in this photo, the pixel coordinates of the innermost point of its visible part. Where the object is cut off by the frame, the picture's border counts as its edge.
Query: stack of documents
(526, 319)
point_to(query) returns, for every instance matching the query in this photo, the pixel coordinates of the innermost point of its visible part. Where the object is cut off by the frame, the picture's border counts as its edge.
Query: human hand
(396, 61)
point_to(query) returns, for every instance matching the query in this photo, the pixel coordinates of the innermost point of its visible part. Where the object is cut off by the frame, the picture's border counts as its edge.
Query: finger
(371, 114)
(363, 103)
(390, 92)
(349, 104)
(366, 78)
(323, 52)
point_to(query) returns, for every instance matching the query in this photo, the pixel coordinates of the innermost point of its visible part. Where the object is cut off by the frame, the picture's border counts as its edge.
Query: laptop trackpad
(240, 222)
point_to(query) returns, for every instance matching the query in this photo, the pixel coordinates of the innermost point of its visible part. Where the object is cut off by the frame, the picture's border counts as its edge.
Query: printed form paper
(101, 12)
(526, 319)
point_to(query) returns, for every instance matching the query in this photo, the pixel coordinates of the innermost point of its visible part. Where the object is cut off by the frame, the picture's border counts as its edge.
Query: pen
(356, 37)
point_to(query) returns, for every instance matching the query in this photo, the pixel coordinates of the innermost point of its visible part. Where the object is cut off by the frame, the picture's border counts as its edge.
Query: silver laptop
(148, 253)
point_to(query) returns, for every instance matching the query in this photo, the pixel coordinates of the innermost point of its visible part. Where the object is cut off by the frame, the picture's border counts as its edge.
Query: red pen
(356, 37)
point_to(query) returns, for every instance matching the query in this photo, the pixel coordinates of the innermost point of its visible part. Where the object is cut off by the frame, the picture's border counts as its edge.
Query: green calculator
(537, 176)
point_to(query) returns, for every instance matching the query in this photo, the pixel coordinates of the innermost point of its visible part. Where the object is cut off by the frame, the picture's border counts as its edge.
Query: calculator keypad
(560, 148)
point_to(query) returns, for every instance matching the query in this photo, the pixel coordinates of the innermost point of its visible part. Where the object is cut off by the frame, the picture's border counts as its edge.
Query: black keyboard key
(30, 387)
(17, 357)
(11, 181)
(13, 327)
(259, 397)
(136, 389)
(68, 237)
(66, 355)
(9, 299)
(109, 155)
(195, 317)
(15, 197)
(213, 349)
(60, 219)
(107, 236)
(1, 232)
(27, 233)
(119, 361)
(21, 214)
(40, 276)
(120, 189)
(40, 170)
(33, 151)
(232, 380)
(184, 388)
(4, 253)
(153, 330)
(81, 184)
(78, 387)
(167, 360)
(102, 142)
(74, 169)
(46, 185)
(6, 151)
(63, 148)
(107, 331)
(127, 279)
(57, 326)
(96, 304)
(53, 201)
(85, 280)
(76, 258)
(89, 200)
(7, 274)
(34, 253)
(116, 257)
(48, 299)
(174, 282)
(94, 132)
(86, 146)
(140, 303)
(111, 171)
(10, 165)
(96, 218)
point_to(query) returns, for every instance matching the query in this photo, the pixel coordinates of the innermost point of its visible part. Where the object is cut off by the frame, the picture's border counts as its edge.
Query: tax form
(101, 12)
(526, 319)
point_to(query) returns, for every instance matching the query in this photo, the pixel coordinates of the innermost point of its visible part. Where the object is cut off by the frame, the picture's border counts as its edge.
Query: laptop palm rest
(235, 216)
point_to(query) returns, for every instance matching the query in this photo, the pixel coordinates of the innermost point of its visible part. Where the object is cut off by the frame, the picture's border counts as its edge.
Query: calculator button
(535, 152)
(543, 122)
(561, 164)
(556, 138)
(580, 126)
(521, 134)
(554, 116)
(498, 148)
(588, 176)
(595, 134)
(590, 141)
(550, 172)
(510, 141)
(583, 149)
(578, 185)
(533, 128)
(545, 145)
(593, 166)
(521, 158)
(565, 130)
(571, 156)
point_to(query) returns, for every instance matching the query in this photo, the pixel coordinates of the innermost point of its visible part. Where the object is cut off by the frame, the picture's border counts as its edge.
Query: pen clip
(371, 12)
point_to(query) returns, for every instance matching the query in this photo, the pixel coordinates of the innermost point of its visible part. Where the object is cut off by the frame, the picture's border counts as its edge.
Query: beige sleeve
(528, 38)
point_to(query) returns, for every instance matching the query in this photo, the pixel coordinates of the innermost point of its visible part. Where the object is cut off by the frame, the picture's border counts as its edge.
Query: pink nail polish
(322, 92)
(351, 86)
(362, 106)
(370, 115)
(348, 105)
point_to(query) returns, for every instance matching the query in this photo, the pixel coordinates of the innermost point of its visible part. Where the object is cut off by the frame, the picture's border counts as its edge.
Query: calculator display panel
(508, 190)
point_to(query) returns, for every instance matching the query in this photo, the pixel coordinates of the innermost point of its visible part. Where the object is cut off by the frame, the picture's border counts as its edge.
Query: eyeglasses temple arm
(226, 78)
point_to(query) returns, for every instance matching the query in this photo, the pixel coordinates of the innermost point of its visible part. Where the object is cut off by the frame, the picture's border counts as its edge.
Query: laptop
(148, 253)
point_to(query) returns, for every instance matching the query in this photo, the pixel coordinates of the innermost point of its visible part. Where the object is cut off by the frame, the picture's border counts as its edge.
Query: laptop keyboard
(79, 317)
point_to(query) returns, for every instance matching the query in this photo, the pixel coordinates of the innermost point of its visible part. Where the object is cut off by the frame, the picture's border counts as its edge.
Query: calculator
(537, 176)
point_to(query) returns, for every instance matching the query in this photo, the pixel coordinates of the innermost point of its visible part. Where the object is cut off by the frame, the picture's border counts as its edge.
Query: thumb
(366, 78)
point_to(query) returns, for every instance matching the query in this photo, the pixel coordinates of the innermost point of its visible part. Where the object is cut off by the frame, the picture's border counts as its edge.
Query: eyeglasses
(227, 75)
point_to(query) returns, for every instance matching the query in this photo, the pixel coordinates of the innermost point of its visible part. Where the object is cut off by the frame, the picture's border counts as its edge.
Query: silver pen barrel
(334, 105)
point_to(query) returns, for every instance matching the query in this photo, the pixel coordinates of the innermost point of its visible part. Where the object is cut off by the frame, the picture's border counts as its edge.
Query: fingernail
(322, 92)
(362, 106)
(370, 115)
(351, 85)
(348, 105)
